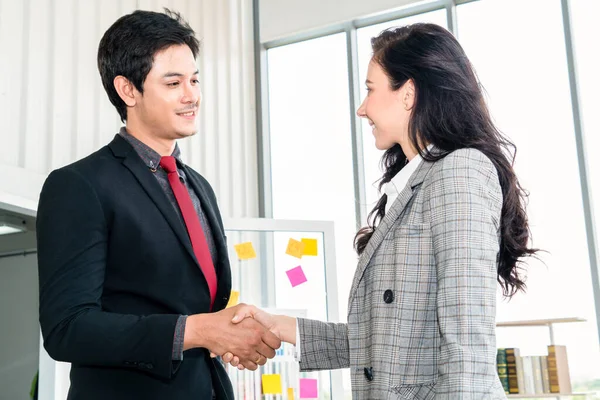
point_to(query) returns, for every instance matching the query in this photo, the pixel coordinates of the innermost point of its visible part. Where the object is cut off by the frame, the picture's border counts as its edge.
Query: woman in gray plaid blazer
(421, 312)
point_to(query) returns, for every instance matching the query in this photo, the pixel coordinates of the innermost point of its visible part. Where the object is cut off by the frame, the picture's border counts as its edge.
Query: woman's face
(387, 110)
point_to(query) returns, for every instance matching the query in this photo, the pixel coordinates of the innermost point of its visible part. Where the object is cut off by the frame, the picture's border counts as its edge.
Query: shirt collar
(150, 157)
(399, 181)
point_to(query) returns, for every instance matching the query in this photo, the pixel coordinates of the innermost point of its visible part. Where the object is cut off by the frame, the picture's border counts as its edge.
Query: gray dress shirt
(152, 159)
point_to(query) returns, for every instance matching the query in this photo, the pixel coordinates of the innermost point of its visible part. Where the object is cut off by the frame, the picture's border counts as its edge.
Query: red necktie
(192, 223)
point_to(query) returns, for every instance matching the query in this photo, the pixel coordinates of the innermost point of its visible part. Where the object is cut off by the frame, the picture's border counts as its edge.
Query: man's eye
(173, 84)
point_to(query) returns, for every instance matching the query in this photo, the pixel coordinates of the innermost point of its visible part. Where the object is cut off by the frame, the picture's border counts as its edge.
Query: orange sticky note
(310, 247)
(234, 298)
(295, 248)
(271, 384)
(245, 251)
(290, 394)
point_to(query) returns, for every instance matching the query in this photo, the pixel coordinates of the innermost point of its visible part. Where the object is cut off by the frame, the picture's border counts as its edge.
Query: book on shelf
(558, 369)
(536, 363)
(502, 368)
(511, 366)
(520, 376)
(545, 378)
(528, 379)
(537, 374)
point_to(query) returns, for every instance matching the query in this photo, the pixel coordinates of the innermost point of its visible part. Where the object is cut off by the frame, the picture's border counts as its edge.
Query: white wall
(19, 329)
(53, 109)
(283, 18)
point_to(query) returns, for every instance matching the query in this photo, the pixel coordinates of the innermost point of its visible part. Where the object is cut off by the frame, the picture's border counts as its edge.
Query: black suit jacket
(116, 269)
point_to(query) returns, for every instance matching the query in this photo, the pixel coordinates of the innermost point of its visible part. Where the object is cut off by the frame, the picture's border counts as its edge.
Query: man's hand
(250, 341)
(282, 326)
(243, 312)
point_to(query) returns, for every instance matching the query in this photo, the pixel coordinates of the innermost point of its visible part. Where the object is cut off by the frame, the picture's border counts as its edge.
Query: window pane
(372, 156)
(311, 148)
(584, 18)
(524, 71)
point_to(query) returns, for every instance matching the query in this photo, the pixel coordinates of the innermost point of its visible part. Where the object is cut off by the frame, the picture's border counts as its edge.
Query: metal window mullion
(586, 192)
(263, 135)
(451, 17)
(263, 141)
(355, 127)
(358, 23)
(410, 11)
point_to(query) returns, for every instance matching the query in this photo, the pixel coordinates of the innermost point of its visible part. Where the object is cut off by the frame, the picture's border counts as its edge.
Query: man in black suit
(133, 269)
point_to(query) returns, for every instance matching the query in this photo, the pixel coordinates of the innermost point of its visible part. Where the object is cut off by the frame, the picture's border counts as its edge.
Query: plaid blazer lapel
(386, 223)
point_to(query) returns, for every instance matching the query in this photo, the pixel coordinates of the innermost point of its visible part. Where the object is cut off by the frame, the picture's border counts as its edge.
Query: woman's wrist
(287, 328)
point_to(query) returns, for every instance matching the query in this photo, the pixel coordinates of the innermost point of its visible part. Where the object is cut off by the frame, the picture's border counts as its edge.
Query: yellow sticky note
(271, 384)
(295, 248)
(245, 251)
(234, 298)
(310, 247)
(290, 394)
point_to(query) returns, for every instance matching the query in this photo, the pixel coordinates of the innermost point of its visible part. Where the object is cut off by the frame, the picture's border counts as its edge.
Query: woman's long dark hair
(450, 112)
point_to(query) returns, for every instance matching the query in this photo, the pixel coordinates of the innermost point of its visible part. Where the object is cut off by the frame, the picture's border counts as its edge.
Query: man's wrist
(195, 328)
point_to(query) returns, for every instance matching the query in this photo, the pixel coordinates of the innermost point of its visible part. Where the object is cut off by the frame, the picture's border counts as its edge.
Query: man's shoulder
(92, 168)
(92, 161)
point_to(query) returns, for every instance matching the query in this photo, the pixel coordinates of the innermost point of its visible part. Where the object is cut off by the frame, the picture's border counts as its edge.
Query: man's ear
(126, 90)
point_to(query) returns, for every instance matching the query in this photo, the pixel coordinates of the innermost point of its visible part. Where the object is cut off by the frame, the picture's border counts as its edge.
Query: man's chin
(185, 133)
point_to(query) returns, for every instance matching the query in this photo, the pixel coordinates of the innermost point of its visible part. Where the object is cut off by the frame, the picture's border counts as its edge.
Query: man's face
(169, 106)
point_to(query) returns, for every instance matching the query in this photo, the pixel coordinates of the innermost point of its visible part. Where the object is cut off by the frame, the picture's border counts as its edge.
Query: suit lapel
(386, 223)
(209, 209)
(133, 162)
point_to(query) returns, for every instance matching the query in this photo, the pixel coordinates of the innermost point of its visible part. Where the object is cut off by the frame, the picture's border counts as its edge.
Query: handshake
(244, 336)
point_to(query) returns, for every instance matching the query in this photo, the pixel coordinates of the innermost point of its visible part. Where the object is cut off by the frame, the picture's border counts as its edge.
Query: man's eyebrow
(177, 74)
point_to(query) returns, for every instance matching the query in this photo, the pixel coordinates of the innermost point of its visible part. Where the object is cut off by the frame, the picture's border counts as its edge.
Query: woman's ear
(126, 90)
(408, 95)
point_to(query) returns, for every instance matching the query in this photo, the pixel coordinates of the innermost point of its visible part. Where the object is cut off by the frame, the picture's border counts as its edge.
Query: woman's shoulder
(465, 158)
(465, 163)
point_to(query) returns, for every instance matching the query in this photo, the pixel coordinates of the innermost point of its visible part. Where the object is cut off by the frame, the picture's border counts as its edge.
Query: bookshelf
(541, 322)
(549, 323)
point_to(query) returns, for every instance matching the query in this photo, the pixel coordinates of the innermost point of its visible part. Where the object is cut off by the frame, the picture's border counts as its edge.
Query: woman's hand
(262, 317)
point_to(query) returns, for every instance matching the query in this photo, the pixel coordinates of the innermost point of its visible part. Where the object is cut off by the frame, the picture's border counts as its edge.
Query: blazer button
(388, 296)
(369, 373)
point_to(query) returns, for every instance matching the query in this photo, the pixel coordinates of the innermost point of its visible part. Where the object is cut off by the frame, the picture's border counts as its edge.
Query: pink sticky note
(308, 388)
(296, 276)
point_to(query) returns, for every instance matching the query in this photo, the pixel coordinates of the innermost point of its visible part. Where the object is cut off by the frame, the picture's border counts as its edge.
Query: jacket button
(388, 296)
(369, 373)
